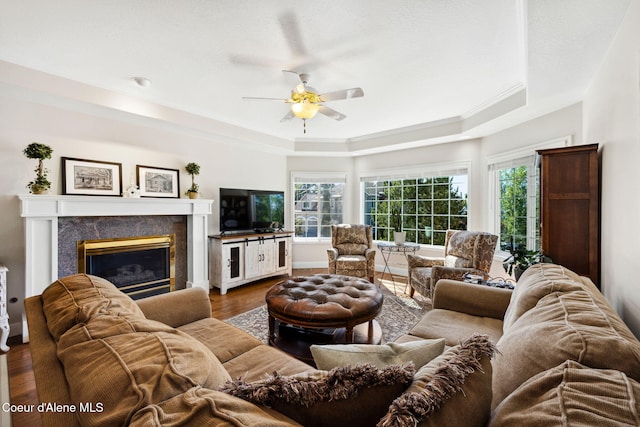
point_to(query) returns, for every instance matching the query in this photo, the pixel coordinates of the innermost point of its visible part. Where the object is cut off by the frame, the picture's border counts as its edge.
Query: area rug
(399, 314)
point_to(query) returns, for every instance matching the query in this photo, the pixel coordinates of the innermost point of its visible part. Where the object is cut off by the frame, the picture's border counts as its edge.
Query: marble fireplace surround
(41, 214)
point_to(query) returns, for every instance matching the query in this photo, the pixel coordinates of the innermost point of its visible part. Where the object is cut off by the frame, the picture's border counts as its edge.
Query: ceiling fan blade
(304, 79)
(292, 72)
(330, 112)
(252, 60)
(287, 116)
(292, 33)
(354, 92)
(255, 98)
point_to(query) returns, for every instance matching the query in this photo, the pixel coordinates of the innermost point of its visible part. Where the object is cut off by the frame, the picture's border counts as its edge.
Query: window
(318, 203)
(515, 191)
(519, 198)
(427, 205)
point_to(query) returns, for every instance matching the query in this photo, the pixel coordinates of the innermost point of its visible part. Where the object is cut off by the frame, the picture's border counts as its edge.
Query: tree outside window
(519, 208)
(428, 207)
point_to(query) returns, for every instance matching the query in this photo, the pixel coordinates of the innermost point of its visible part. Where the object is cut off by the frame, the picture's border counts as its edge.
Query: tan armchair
(464, 252)
(352, 253)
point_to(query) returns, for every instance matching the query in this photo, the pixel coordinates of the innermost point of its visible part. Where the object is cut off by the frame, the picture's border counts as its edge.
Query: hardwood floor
(22, 383)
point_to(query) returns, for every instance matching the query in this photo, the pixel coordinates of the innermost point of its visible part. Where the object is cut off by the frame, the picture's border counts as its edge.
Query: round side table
(389, 248)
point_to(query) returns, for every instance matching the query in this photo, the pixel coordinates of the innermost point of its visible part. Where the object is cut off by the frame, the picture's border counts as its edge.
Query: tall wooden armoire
(570, 208)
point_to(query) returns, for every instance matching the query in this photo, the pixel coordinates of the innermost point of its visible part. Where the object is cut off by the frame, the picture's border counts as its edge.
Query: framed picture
(158, 182)
(91, 177)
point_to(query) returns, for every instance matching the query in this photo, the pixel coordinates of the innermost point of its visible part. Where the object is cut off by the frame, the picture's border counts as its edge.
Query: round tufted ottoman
(322, 309)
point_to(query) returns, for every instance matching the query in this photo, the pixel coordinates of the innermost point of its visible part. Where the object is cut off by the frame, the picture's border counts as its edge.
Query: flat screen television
(244, 210)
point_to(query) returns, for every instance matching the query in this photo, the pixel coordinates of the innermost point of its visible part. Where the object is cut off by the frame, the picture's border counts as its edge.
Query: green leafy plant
(41, 152)
(521, 259)
(192, 169)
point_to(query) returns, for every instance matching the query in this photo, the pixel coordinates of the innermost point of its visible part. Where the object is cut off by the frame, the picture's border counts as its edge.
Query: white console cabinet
(238, 259)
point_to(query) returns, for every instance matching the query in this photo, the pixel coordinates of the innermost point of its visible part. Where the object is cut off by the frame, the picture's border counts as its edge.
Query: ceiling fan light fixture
(304, 109)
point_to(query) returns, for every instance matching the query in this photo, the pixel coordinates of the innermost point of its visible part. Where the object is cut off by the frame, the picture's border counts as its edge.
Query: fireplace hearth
(139, 266)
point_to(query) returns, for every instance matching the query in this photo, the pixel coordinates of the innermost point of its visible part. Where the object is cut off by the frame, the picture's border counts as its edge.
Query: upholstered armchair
(464, 252)
(351, 253)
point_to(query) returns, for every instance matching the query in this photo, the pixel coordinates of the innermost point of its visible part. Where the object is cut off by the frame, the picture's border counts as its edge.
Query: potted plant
(399, 236)
(41, 152)
(193, 169)
(521, 259)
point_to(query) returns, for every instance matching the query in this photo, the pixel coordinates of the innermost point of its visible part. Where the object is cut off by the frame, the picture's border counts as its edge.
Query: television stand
(237, 259)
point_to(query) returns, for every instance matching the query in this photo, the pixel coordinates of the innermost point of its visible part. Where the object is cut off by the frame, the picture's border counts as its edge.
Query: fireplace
(139, 266)
(42, 215)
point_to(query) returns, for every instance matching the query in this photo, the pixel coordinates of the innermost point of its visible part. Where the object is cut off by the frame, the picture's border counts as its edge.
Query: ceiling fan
(305, 101)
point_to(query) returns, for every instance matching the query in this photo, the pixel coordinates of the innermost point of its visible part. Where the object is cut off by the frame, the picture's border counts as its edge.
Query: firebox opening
(139, 266)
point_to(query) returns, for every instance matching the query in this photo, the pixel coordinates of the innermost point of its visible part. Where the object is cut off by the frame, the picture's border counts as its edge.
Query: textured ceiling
(419, 62)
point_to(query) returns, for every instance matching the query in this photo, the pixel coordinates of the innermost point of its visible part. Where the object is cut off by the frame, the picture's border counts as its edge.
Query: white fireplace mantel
(41, 213)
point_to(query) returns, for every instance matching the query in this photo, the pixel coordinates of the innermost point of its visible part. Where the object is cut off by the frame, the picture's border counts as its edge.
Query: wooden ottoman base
(297, 341)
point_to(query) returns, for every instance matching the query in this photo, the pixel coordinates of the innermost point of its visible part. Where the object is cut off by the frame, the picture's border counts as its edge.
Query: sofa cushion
(454, 389)
(352, 248)
(536, 282)
(438, 323)
(349, 396)
(76, 298)
(574, 325)
(452, 261)
(351, 262)
(421, 274)
(127, 364)
(327, 357)
(462, 244)
(572, 394)
(226, 342)
(204, 407)
(252, 364)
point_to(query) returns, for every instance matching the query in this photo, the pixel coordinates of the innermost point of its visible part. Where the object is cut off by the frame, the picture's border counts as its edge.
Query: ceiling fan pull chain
(304, 125)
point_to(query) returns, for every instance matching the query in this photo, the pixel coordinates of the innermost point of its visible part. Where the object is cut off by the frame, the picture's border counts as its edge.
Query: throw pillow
(454, 389)
(572, 394)
(573, 325)
(77, 298)
(419, 352)
(205, 407)
(142, 363)
(355, 395)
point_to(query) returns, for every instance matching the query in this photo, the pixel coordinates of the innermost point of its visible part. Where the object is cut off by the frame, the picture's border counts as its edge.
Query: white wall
(562, 123)
(74, 134)
(611, 115)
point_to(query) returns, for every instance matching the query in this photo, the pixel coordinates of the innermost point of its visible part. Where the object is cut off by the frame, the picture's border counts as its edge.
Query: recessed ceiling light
(142, 81)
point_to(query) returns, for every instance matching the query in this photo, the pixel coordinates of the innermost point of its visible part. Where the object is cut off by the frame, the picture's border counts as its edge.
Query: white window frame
(415, 172)
(525, 156)
(319, 177)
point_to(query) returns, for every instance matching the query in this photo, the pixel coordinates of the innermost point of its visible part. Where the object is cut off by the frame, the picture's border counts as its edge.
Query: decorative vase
(37, 189)
(193, 195)
(399, 237)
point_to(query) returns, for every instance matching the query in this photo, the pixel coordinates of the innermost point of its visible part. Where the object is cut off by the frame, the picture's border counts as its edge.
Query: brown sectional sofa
(107, 360)
(187, 311)
(564, 357)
